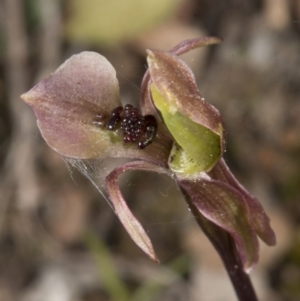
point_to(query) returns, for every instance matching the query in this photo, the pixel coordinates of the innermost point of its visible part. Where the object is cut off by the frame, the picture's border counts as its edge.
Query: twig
(19, 165)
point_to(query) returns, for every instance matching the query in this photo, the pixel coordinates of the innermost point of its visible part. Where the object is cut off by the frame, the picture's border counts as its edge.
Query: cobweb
(95, 170)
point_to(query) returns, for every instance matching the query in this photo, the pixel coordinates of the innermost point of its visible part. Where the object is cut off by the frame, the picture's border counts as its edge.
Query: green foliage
(116, 288)
(32, 14)
(108, 22)
(151, 288)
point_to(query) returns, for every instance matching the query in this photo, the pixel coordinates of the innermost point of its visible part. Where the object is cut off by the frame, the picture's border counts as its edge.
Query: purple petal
(191, 44)
(146, 104)
(223, 243)
(261, 221)
(67, 102)
(148, 108)
(183, 47)
(225, 207)
(131, 224)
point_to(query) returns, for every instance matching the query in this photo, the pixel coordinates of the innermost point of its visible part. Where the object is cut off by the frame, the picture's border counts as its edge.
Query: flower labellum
(72, 105)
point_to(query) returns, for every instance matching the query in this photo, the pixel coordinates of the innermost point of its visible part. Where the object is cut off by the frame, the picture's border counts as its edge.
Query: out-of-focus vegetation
(46, 208)
(104, 22)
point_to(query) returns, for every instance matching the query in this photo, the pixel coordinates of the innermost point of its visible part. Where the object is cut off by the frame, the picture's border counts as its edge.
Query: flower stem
(240, 280)
(225, 246)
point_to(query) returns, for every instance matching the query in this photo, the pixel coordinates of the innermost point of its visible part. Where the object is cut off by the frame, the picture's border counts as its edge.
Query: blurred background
(59, 240)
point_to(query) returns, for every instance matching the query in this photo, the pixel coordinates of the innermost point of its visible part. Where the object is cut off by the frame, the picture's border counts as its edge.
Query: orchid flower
(176, 132)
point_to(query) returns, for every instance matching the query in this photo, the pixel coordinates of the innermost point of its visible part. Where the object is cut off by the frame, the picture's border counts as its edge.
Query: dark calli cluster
(133, 126)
